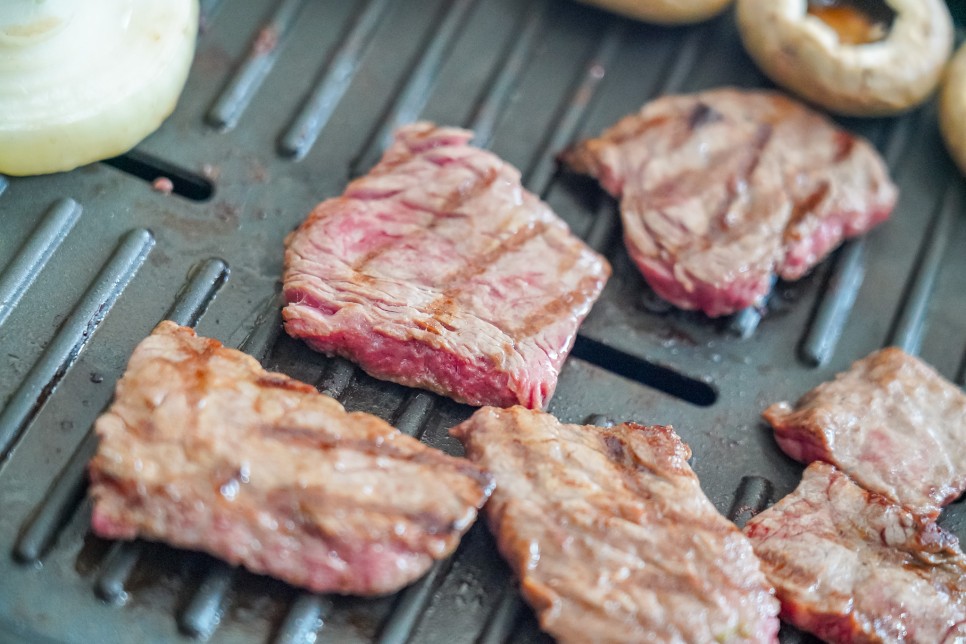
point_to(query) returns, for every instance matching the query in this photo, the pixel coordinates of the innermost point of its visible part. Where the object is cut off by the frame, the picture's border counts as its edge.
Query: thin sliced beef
(850, 566)
(611, 536)
(724, 189)
(438, 270)
(891, 422)
(204, 449)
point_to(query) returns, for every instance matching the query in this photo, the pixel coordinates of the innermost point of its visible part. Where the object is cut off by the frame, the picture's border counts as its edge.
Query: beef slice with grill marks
(611, 536)
(439, 270)
(851, 566)
(722, 190)
(204, 449)
(891, 422)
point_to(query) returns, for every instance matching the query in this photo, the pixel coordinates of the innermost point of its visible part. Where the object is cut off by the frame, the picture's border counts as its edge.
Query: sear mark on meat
(611, 536)
(850, 566)
(793, 186)
(702, 114)
(439, 270)
(204, 449)
(891, 422)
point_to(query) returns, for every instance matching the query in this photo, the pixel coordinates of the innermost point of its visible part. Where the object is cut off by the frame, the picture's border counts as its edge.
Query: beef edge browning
(203, 449)
(850, 566)
(891, 422)
(722, 190)
(611, 536)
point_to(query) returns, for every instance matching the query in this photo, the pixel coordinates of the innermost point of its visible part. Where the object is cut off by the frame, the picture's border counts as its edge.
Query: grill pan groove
(910, 324)
(835, 304)
(305, 618)
(411, 98)
(314, 115)
(500, 88)
(848, 272)
(72, 337)
(116, 569)
(541, 173)
(64, 493)
(23, 269)
(248, 79)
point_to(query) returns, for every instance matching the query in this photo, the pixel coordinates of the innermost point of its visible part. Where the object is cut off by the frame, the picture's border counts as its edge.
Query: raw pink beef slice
(439, 270)
(722, 190)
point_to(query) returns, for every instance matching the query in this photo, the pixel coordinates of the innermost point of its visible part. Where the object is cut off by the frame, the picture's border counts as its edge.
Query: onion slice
(87, 80)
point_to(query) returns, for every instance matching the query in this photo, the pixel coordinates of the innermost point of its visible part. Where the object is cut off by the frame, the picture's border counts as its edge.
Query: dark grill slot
(73, 336)
(652, 375)
(23, 269)
(151, 169)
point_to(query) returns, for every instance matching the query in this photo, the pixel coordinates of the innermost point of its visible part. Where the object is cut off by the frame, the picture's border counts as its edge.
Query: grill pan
(286, 101)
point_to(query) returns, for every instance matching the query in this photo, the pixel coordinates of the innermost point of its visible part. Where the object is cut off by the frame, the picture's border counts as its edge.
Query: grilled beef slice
(611, 536)
(722, 190)
(891, 422)
(850, 566)
(204, 449)
(438, 270)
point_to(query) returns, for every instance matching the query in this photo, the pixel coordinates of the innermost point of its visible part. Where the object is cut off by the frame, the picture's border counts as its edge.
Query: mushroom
(952, 108)
(857, 57)
(664, 12)
(83, 81)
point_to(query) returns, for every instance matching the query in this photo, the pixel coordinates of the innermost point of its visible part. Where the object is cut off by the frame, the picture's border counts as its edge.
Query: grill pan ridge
(286, 101)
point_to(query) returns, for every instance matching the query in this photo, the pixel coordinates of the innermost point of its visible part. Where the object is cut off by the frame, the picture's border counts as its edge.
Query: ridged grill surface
(289, 99)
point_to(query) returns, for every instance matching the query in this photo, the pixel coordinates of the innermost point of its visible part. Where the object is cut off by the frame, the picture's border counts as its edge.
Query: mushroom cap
(952, 108)
(803, 54)
(664, 12)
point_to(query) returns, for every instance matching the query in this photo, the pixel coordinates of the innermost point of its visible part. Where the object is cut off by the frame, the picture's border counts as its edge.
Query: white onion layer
(83, 80)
